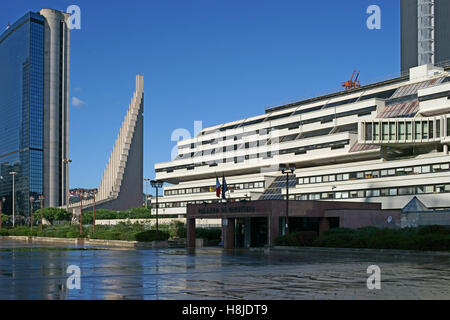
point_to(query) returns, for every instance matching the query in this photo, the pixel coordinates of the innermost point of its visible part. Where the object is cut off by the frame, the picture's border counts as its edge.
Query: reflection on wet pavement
(35, 272)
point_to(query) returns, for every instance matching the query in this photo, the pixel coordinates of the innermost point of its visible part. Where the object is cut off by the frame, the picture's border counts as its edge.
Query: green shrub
(177, 229)
(434, 229)
(53, 214)
(151, 235)
(297, 239)
(434, 242)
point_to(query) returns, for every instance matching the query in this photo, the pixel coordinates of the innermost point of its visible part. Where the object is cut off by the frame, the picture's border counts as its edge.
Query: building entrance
(250, 232)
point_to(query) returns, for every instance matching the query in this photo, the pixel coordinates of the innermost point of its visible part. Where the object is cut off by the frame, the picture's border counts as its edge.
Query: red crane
(350, 84)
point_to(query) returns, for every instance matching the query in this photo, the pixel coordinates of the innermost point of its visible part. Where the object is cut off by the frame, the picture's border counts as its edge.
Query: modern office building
(384, 143)
(34, 109)
(123, 178)
(424, 32)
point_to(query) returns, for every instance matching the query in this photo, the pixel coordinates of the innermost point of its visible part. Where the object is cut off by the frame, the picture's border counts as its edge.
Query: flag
(217, 187)
(224, 187)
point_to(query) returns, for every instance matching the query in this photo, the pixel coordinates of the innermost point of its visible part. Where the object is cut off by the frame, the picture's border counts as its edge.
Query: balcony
(405, 131)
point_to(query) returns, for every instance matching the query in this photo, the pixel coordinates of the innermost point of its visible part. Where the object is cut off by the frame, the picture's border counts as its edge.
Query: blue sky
(208, 60)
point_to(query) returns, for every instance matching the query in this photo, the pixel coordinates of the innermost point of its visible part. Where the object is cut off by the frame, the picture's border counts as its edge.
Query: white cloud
(77, 102)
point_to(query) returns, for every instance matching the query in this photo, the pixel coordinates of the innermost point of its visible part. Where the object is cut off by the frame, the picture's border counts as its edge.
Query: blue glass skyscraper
(34, 110)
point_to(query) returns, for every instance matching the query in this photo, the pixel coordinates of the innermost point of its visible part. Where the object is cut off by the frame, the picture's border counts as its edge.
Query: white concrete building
(385, 142)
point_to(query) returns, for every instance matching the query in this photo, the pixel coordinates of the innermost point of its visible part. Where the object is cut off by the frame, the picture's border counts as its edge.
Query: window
(408, 131)
(373, 193)
(385, 131)
(417, 170)
(339, 177)
(356, 194)
(326, 178)
(448, 127)
(368, 175)
(426, 169)
(376, 131)
(346, 176)
(417, 128)
(300, 181)
(315, 196)
(369, 129)
(319, 179)
(401, 131)
(424, 189)
(436, 168)
(327, 196)
(353, 176)
(438, 128)
(392, 131)
(405, 191)
(389, 192)
(425, 130)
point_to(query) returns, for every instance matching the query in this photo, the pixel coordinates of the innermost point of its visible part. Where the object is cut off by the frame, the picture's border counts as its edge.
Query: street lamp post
(147, 180)
(31, 214)
(287, 170)
(1, 207)
(13, 173)
(156, 184)
(41, 199)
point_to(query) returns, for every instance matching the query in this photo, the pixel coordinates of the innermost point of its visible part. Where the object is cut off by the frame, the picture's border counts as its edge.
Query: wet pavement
(39, 272)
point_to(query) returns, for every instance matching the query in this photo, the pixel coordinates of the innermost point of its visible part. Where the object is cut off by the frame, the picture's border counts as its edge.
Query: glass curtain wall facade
(22, 112)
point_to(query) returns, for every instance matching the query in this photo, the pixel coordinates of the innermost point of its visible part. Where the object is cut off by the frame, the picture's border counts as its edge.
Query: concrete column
(445, 148)
(228, 234)
(272, 229)
(324, 225)
(191, 233)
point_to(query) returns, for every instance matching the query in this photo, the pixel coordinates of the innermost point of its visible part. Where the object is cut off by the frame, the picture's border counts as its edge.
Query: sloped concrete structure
(121, 185)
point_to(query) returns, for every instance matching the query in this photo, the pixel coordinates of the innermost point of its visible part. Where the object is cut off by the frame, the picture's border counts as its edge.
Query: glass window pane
(401, 131)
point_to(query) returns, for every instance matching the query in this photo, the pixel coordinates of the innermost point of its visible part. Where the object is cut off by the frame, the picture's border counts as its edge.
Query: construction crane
(350, 84)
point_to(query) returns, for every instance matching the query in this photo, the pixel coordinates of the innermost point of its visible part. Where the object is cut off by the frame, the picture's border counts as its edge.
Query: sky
(213, 61)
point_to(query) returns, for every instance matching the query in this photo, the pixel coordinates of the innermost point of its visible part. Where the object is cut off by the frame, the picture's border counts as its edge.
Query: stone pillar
(324, 225)
(190, 233)
(445, 148)
(228, 233)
